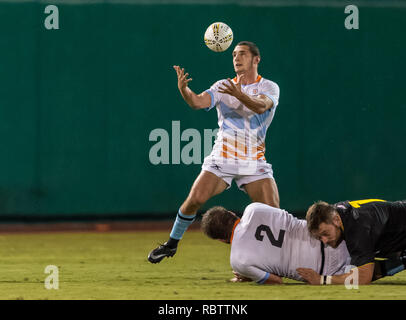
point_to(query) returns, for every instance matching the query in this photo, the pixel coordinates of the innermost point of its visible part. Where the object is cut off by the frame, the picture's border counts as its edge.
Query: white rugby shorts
(241, 173)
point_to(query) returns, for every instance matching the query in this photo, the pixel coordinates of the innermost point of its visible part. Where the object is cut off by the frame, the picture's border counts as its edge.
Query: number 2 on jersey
(275, 242)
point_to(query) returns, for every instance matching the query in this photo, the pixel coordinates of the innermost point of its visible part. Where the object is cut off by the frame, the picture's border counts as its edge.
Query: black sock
(172, 243)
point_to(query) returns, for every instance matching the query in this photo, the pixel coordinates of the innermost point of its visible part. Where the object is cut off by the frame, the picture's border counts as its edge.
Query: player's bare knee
(192, 204)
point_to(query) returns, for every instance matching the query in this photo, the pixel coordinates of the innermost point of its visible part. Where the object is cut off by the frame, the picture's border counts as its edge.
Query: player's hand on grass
(239, 278)
(232, 89)
(309, 275)
(183, 79)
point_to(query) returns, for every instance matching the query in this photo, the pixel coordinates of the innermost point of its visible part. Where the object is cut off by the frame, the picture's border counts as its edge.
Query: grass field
(114, 266)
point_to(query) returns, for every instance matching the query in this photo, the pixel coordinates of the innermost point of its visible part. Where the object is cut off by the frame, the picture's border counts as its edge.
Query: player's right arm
(247, 272)
(195, 101)
(271, 279)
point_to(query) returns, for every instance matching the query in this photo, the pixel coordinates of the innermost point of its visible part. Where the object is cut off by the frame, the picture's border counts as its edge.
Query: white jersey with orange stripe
(269, 240)
(241, 136)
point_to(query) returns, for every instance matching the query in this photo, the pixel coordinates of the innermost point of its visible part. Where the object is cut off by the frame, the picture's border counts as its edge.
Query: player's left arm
(273, 279)
(248, 272)
(259, 104)
(363, 273)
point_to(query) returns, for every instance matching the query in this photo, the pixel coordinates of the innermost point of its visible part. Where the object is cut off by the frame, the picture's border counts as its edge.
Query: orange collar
(258, 79)
(232, 233)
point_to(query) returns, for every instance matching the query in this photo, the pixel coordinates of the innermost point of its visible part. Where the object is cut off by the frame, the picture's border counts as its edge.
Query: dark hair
(252, 46)
(318, 213)
(217, 223)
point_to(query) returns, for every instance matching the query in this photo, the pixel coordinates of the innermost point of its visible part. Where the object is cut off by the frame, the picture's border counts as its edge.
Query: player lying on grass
(269, 243)
(371, 228)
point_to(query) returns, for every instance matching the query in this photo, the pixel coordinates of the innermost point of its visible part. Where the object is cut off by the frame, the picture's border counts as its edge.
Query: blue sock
(391, 267)
(182, 222)
(395, 270)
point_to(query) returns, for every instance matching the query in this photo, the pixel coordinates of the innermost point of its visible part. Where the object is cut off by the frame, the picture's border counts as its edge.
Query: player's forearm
(273, 279)
(191, 98)
(255, 104)
(360, 278)
(340, 279)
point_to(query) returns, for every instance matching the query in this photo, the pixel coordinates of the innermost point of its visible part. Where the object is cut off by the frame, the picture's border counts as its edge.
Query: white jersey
(241, 136)
(270, 240)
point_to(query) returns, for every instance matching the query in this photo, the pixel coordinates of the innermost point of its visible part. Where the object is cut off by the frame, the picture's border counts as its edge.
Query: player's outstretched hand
(309, 275)
(182, 77)
(232, 89)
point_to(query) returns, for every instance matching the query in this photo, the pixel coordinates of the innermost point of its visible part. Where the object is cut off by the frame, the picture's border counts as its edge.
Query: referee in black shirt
(371, 228)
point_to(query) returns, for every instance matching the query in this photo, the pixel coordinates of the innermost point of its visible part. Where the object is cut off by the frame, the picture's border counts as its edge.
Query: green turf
(114, 266)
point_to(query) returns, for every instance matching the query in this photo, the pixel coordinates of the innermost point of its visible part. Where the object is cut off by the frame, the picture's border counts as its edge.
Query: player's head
(218, 222)
(246, 57)
(324, 223)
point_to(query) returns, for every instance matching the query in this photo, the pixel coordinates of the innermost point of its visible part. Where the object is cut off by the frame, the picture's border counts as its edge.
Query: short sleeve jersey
(241, 135)
(372, 228)
(270, 240)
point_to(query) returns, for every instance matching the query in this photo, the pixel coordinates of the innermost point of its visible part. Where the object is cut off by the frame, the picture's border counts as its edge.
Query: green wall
(77, 104)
